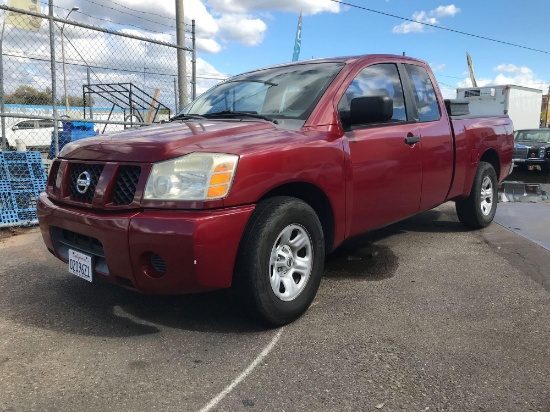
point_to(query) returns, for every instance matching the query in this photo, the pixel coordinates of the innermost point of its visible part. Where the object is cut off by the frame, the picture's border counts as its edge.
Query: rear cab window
(423, 93)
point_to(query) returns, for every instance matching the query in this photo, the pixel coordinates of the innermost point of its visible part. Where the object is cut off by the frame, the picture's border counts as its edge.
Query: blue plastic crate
(18, 170)
(5, 186)
(8, 216)
(15, 156)
(22, 185)
(6, 201)
(3, 172)
(27, 216)
(74, 126)
(38, 171)
(39, 185)
(25, 200)
(34, 157)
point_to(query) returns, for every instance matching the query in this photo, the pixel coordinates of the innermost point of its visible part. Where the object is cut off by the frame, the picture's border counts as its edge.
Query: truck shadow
(365, 258)
(44, 295)
(58, 301)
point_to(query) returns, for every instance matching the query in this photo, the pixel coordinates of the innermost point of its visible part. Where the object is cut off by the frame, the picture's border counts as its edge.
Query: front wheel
(478, 209)
(280, 261)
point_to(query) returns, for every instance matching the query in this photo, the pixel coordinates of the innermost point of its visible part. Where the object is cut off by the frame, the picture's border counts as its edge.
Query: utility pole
(182, 63)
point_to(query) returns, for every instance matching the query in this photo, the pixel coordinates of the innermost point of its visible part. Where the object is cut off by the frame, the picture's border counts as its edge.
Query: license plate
(80, 264)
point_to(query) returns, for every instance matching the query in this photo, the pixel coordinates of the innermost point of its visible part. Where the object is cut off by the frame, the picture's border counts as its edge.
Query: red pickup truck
(254, 181)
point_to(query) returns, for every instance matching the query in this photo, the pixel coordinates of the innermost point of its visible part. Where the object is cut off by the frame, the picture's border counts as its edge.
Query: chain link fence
(61, 80)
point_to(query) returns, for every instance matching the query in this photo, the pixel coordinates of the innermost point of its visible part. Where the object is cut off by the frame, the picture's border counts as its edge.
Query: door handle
(410, 140)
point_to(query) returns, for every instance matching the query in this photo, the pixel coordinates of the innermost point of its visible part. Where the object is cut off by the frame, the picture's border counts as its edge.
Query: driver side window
(377, 80)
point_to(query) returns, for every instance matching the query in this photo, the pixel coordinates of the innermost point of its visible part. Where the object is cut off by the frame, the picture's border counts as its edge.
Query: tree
(30, 96)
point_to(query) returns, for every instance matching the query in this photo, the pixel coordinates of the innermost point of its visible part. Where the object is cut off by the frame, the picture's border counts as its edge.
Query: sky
(234, 36)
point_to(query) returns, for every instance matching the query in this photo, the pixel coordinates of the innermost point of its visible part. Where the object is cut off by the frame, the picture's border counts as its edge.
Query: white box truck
(521, 104)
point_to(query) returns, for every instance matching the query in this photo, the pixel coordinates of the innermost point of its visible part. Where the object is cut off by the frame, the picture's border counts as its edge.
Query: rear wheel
(280, 261)
(479, 208)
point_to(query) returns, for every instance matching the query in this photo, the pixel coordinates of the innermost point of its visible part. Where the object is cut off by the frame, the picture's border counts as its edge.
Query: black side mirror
(371, 109)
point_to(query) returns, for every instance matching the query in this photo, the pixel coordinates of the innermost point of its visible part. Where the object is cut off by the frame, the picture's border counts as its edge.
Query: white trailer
(521, 104)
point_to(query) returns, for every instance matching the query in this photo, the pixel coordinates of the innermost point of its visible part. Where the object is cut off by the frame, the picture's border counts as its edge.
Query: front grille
(76, 170)
(521, 152)
(126, 183)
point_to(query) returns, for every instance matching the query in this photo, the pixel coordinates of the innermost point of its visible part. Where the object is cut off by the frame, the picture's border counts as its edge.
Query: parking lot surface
(422, 315)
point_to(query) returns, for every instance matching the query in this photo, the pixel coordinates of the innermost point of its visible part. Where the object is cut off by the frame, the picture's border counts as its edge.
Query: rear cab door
(435, 134)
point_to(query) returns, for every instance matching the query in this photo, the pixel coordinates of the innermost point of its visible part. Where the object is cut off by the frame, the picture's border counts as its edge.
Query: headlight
(196, 176)
(542, 152)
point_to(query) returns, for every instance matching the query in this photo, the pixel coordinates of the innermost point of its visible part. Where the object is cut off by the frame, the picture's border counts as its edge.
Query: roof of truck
(346, 60)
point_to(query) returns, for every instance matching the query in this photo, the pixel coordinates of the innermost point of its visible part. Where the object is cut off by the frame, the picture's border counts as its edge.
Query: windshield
(275, 93)
(535, 136)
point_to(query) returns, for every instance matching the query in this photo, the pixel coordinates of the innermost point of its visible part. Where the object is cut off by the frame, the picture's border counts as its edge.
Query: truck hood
(169, 140)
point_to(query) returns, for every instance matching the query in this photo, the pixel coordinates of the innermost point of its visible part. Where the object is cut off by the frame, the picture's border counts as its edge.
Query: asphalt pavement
(422, 315)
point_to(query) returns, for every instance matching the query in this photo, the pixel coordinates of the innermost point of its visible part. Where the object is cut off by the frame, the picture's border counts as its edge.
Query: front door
(386, 161)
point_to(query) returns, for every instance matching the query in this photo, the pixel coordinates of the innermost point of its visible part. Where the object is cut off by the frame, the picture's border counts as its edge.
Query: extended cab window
(377, 80)
(424, 94)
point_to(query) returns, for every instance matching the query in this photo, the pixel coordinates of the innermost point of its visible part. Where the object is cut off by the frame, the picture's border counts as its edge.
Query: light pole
(63, 59)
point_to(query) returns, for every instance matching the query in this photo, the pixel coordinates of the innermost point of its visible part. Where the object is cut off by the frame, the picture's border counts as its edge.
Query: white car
(32, 134)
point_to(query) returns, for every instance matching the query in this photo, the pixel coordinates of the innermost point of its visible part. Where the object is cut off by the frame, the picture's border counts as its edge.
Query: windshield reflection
(280, 92)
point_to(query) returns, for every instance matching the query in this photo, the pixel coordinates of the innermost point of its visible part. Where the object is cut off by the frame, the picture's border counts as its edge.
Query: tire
(280, 261)
(478, 209)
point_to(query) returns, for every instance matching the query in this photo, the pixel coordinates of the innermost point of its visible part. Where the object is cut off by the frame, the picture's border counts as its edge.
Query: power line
(144, 12)
(120, 24)
(130, 14)
(439, 27)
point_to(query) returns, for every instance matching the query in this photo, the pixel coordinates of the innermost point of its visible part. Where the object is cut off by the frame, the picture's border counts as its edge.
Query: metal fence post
(54, 83)
(176, 108)
(3, 95)
(194, 63)
(90, 98)
(182, 58)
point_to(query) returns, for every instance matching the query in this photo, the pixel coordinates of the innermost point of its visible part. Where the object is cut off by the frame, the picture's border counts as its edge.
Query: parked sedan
(33, 134)
(532, 148)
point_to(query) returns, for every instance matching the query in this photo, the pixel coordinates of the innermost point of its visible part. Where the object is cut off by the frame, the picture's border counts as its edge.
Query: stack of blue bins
(22, 178)
(71, 131)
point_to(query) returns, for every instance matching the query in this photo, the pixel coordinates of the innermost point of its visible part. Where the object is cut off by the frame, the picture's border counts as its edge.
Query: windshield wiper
(230, 113)
(252, 81)
(184, 116)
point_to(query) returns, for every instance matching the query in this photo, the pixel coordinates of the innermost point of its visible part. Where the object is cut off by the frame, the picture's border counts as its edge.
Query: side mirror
(371, 109)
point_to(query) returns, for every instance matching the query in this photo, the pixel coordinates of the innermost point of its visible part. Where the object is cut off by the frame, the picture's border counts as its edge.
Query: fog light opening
(153, 265)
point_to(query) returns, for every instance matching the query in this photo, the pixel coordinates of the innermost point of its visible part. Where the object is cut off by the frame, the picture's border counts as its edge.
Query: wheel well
(491, 156)
(318, 201)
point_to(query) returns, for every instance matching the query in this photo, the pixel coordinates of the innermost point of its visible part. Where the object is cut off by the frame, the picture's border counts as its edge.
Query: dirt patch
(9, 232)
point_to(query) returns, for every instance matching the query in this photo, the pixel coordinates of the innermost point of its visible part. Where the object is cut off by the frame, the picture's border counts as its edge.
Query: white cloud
(510, 74)
(429, 17)
(447, 92)
(436, 68)
(245, 6)
(242, 28)
(446, 11)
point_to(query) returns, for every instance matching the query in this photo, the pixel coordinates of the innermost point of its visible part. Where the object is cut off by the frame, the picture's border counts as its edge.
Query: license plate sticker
(80, 264)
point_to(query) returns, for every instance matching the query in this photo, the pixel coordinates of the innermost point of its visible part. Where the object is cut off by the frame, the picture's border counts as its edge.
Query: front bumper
(532, 161)
(198, 249)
